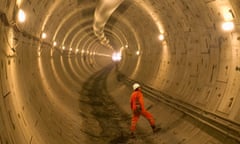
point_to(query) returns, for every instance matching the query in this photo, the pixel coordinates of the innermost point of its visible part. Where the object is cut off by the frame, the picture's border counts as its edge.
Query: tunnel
(67, 68)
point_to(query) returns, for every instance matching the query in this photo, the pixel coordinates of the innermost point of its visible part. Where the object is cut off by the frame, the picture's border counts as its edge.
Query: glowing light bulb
(228, 26)
(138, 52)
(116, 56)
(54, 43)
(44, 35)
(161, 37)
(21, 16)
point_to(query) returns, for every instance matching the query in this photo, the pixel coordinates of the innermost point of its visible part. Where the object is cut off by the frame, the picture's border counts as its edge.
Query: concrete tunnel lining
(55, 95)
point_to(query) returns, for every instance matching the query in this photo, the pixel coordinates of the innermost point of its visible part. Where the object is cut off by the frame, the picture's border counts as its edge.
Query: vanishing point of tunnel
(67, 68)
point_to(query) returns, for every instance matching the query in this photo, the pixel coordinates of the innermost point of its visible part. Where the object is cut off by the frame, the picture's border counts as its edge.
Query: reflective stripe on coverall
(137, 97)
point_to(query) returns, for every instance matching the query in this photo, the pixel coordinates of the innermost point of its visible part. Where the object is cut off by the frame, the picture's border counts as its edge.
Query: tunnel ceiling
(65, 20)
(133, 27)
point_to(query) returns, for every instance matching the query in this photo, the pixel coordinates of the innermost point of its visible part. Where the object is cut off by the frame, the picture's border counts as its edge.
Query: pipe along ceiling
(67, 69)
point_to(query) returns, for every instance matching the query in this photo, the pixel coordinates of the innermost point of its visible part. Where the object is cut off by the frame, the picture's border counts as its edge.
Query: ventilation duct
(103, 11)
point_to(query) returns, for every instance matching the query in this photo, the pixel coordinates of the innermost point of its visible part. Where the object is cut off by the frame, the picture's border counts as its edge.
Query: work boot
(132, 135)
(154, 129)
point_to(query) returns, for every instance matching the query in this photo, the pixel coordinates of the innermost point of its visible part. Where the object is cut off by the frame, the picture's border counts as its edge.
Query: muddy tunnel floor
(104, 121)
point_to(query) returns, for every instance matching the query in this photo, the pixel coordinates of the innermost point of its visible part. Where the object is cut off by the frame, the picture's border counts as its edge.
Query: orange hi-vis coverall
(136, 101)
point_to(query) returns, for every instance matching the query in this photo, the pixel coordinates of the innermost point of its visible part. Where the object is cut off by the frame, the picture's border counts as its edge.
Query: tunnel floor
(112, 124)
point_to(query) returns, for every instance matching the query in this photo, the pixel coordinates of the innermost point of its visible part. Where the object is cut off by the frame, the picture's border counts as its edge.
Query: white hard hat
(135, 86)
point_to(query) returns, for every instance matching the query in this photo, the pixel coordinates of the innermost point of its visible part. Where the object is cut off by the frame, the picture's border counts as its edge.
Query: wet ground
(105, 122)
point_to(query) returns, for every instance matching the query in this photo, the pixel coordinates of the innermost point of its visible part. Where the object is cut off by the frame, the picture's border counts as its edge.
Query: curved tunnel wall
(197, 64)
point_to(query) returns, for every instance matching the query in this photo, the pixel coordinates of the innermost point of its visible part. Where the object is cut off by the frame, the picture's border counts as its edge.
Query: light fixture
(161, 37)
(70, 49)
(54, 43)
(82, 51)
(228, 26)
(77, 50)
(116, 56)
(63, 47)
(138, 52)
(21, 16)
(44, 35)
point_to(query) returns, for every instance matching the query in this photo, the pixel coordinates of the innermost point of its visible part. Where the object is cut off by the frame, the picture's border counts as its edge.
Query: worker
(137, 107)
